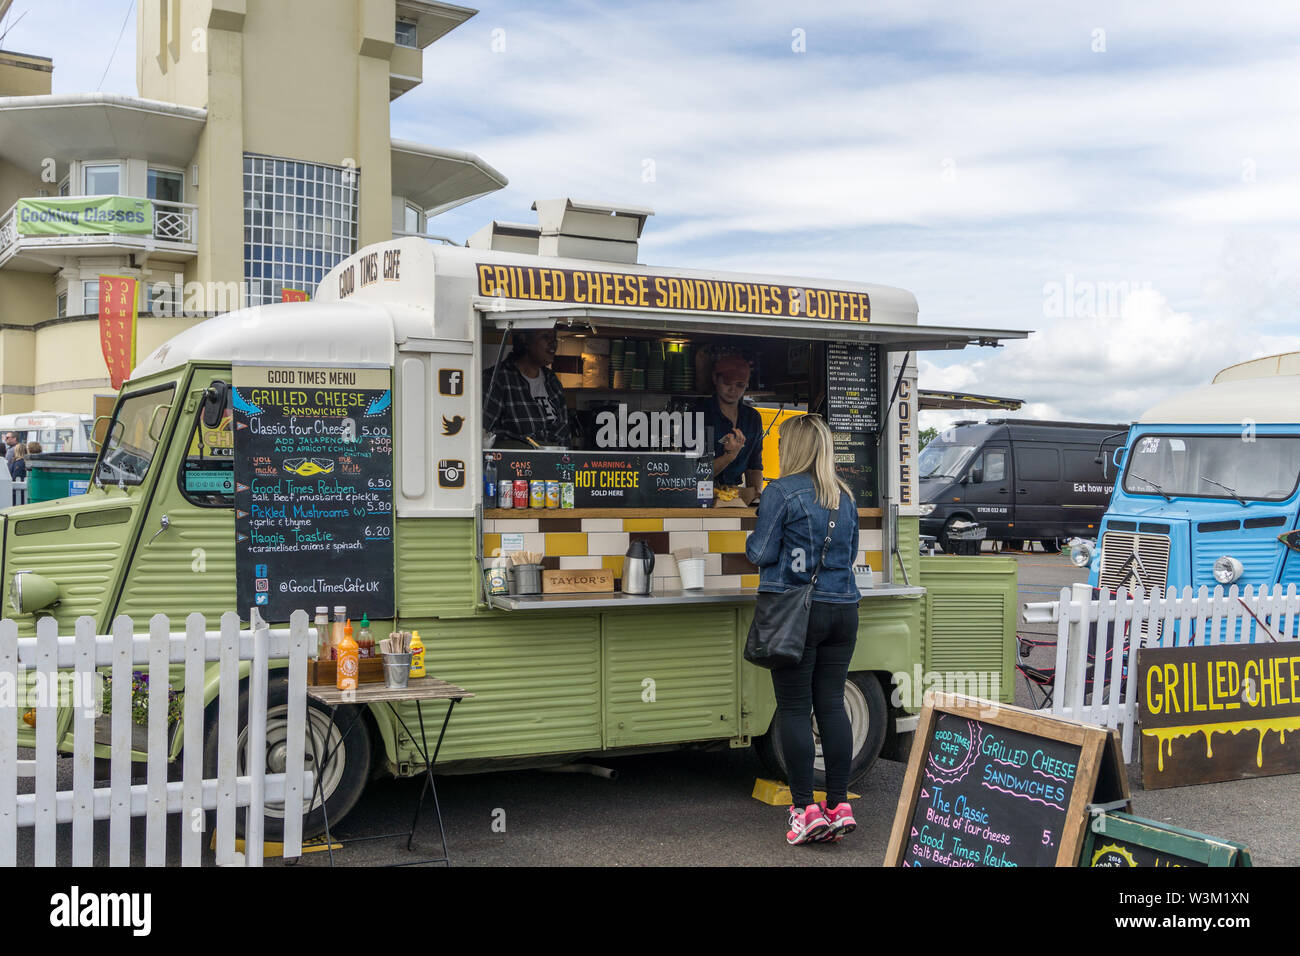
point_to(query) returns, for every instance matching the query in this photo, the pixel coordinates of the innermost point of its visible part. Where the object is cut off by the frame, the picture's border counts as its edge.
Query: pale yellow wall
(177, 71)
(24, 75)
(17, 183)
(16, 347)
(25, 297)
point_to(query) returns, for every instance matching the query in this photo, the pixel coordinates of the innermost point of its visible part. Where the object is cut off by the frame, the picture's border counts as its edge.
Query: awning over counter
(915, 338)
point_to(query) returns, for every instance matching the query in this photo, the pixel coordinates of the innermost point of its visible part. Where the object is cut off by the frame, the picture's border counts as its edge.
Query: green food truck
(220, 486)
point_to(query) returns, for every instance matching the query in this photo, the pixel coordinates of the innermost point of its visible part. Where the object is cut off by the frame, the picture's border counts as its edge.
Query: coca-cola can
(521, 493)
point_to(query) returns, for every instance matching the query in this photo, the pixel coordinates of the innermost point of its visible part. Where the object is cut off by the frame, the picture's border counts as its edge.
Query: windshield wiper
(1231, 491)
(938, 475)
(1160, 491)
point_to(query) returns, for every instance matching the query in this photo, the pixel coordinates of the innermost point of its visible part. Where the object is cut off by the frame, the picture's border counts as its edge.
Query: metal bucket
(527, 578)
(397, 669)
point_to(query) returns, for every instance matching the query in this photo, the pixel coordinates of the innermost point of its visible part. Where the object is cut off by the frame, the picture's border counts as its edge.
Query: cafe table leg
(428, 785)
(321, 766)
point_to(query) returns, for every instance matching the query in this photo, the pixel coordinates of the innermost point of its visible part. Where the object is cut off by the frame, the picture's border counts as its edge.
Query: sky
(1123, 179)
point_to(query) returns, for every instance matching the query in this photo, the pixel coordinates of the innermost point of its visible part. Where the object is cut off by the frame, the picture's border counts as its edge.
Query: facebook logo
(259, 571)
(451, 381)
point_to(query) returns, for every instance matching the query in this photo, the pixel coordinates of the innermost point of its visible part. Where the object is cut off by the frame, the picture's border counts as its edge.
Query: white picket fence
(55, 669)
(1097, 639)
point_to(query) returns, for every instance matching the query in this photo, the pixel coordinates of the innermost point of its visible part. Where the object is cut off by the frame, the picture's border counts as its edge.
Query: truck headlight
(1227, 569)
(30, 592)
(1081, 552)
(926, 509)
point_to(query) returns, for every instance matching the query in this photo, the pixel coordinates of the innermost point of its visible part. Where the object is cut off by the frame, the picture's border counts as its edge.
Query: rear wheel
(1015, 544)
(864, 699)
(945, 540)
(344, 778)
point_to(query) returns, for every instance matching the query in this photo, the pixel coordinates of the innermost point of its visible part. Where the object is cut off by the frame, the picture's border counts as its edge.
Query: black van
(1020, 479)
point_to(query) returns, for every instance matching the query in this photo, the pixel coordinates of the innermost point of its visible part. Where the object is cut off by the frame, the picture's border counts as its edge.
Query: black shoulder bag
(780, 627)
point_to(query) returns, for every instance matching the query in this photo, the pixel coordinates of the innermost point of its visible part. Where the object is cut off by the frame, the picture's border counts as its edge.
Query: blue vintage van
(1206, 486)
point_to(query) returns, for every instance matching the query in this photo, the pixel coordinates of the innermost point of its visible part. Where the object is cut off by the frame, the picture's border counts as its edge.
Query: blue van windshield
(1258, 467)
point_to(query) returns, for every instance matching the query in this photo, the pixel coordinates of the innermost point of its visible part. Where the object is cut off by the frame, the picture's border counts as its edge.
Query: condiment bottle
(322, 624)
(365, 642)
(346, 652)
(336, 633)
(417, 655)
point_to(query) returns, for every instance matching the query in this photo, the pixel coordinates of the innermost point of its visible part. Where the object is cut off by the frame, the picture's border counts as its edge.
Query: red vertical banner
(117, 313)
(293, 295)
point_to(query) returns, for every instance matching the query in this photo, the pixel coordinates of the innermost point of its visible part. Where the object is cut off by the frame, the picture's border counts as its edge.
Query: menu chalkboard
(853, 387)
(1119, 840)
(855, 463)
(313, 489)
(611, 480)
(993, 785)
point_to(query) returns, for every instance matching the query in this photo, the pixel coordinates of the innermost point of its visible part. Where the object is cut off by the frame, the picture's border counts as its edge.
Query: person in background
(11, 443)
(735, 429)
(799, 510)
(18, 467)
(522, 398)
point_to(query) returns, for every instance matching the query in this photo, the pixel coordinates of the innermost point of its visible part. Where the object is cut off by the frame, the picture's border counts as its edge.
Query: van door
(1038, 491)
(987, 490)
(189, 565)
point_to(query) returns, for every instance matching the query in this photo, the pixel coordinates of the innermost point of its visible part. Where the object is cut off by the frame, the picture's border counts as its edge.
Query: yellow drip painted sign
(1221, 712)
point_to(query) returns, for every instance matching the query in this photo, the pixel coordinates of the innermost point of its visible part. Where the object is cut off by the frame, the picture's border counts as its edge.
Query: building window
(300, 220)
(412, 223)
(61, 305)
(90, 298)
(166, 185)
(164, 299)
(407, 34)
(101, 180)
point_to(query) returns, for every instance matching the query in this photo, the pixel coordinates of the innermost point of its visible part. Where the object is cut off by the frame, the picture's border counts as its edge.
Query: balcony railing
(174, 227)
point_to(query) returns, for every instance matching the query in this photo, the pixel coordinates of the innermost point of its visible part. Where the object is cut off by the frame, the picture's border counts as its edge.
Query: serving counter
(607, 601)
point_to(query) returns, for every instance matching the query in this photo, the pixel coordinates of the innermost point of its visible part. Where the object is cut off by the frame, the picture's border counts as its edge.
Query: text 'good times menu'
(314, 489)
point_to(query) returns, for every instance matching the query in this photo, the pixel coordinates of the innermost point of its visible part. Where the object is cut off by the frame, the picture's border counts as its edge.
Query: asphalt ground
(691, 808)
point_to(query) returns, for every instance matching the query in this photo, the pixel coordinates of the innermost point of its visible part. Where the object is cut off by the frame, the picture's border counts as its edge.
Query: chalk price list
(314, 490)
(991, 796)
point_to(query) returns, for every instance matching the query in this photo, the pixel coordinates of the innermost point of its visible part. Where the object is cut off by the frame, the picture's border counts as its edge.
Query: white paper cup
(691, 572)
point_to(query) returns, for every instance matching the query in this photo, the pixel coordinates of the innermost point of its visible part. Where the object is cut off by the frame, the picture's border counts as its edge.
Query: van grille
(1128, 559)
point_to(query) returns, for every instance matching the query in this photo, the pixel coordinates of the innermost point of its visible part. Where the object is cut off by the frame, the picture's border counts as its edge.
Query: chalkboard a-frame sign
(989, 784)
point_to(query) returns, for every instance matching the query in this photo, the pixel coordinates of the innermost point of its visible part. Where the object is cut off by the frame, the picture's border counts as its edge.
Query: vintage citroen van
(554, 679)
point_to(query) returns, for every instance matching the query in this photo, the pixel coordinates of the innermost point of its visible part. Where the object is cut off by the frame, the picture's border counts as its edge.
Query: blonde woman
(18, 467)
(808, 522)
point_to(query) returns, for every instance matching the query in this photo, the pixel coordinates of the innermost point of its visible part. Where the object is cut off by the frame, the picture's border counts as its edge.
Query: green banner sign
(84, 216)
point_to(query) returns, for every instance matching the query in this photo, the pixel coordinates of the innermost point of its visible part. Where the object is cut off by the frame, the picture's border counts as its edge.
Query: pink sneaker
(807, 825)
(840, 822)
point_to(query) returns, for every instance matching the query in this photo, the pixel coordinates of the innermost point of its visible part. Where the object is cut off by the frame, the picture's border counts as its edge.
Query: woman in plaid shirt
(523, 398)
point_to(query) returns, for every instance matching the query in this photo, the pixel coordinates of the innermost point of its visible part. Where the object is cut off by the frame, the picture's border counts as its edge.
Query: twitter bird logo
(452, 427)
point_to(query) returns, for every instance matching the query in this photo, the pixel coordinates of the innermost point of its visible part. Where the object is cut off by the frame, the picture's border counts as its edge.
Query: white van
(56, 431)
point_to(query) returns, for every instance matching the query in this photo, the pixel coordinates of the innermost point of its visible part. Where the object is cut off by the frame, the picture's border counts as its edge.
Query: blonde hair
(806, 446)
(34, 448)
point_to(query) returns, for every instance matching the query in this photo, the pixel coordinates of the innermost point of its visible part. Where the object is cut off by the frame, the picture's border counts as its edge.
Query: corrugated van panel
(437, 567)
(969, 617)
(670, 675)
(189, 567)
(83, 569)
(536, 681)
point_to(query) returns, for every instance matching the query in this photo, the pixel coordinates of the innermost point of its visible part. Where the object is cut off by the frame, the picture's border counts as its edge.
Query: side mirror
(977, 475)
(214, 403)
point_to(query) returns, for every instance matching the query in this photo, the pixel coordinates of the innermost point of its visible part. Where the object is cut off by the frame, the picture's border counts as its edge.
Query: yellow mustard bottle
(417, 655)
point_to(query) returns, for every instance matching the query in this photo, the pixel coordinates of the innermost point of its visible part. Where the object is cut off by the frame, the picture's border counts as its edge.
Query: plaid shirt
(510, 406)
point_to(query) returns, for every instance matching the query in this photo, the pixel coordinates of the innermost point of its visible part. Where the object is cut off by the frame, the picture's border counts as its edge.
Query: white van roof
(1267, 401)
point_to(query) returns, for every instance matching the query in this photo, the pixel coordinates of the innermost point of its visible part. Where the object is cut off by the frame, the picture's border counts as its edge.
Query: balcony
(172, 236)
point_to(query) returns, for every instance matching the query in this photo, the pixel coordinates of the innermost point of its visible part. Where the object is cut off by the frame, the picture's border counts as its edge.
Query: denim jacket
(790, 531)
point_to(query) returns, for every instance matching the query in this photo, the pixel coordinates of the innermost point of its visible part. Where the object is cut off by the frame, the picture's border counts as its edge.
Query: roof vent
(506, 237)
(575, 229)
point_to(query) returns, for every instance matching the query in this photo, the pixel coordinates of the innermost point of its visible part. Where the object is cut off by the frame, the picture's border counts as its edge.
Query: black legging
(816, 686)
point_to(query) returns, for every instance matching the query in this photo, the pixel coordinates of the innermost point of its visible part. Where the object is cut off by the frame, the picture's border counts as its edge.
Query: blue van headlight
(1227, 569)
(1081, 551)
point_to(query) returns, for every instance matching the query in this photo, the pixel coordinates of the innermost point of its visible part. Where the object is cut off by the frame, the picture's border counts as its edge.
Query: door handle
(1021, 491)
(1002, 491)
(166, 523)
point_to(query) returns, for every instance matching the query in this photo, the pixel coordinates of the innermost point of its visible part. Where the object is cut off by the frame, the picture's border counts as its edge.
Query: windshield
(1262, 467)
(939, 459)
(130, 448)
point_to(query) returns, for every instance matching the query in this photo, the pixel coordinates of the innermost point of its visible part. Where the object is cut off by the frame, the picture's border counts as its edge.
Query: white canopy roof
(1268, 401)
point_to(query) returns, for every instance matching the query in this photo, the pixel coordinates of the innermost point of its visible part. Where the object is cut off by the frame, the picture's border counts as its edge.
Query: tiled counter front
(583, 542)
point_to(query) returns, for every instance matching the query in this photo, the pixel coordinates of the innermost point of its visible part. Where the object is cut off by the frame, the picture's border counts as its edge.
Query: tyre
(1051, 545)
(1015, 544)
(864, 699)
(949, 546)
(346, 775)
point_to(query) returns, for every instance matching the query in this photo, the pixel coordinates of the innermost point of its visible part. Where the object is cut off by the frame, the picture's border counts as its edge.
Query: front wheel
(864, 699)
(344, 778)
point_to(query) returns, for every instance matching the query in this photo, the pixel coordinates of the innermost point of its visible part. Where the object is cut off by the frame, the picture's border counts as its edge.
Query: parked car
(1021, 480)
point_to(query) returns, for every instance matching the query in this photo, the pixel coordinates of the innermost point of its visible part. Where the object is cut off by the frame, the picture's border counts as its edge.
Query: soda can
(566, 494)
(552, 494)
(537, 493)
(506, 493)
(521, 493)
